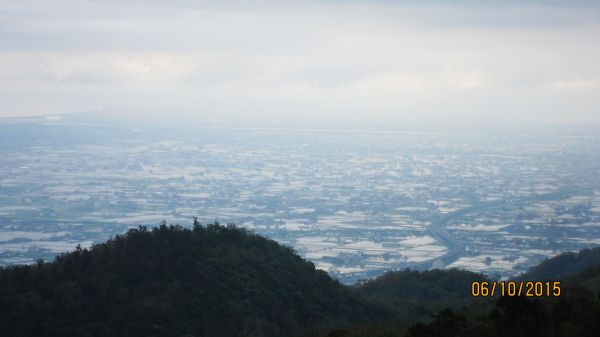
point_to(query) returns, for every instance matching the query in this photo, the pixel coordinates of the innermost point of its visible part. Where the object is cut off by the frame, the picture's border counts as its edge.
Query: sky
(481, 62)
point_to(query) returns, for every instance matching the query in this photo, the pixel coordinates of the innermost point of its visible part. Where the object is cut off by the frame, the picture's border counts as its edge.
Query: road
(437, 228)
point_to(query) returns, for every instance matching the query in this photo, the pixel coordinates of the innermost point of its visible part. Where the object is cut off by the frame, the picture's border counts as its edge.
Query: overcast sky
(478, 61)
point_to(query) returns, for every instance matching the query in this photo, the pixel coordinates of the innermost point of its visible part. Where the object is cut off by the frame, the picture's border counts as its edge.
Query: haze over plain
(478, 62)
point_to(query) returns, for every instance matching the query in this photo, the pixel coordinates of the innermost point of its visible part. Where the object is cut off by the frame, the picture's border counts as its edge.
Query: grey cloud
(326, 59)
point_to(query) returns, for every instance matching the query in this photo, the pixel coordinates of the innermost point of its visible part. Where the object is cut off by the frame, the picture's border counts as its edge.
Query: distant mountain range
(218, 280)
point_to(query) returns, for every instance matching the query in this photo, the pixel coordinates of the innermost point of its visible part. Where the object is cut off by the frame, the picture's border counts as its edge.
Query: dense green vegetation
(418, 295)
(223, 281)
(575, 313)
(410, 296)
(564, 265)
(170, 281)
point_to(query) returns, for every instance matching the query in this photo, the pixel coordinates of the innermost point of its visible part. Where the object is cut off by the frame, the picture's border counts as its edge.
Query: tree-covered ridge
(575, 313)
(418, 295)
(223, 281)
(564, 265)
(171, 281)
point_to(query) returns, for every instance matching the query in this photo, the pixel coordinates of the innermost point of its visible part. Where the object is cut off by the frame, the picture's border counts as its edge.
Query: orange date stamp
(516, 288)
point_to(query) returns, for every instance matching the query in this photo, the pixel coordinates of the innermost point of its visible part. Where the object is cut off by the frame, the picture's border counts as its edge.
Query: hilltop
(218, 280)
(170, 281)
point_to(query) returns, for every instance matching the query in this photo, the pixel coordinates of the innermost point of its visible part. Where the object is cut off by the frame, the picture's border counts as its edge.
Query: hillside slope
(418, 295)
(223, 281)
(564, 265)
(574, 313)
(171, 281)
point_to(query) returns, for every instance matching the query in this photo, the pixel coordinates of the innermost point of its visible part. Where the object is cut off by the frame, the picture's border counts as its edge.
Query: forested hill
(223, 281)
(574, 313)
(418, 295)
(170, 281)
(564, 265)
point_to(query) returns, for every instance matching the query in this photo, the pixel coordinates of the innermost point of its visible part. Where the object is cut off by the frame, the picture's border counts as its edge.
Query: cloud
(304, 60)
